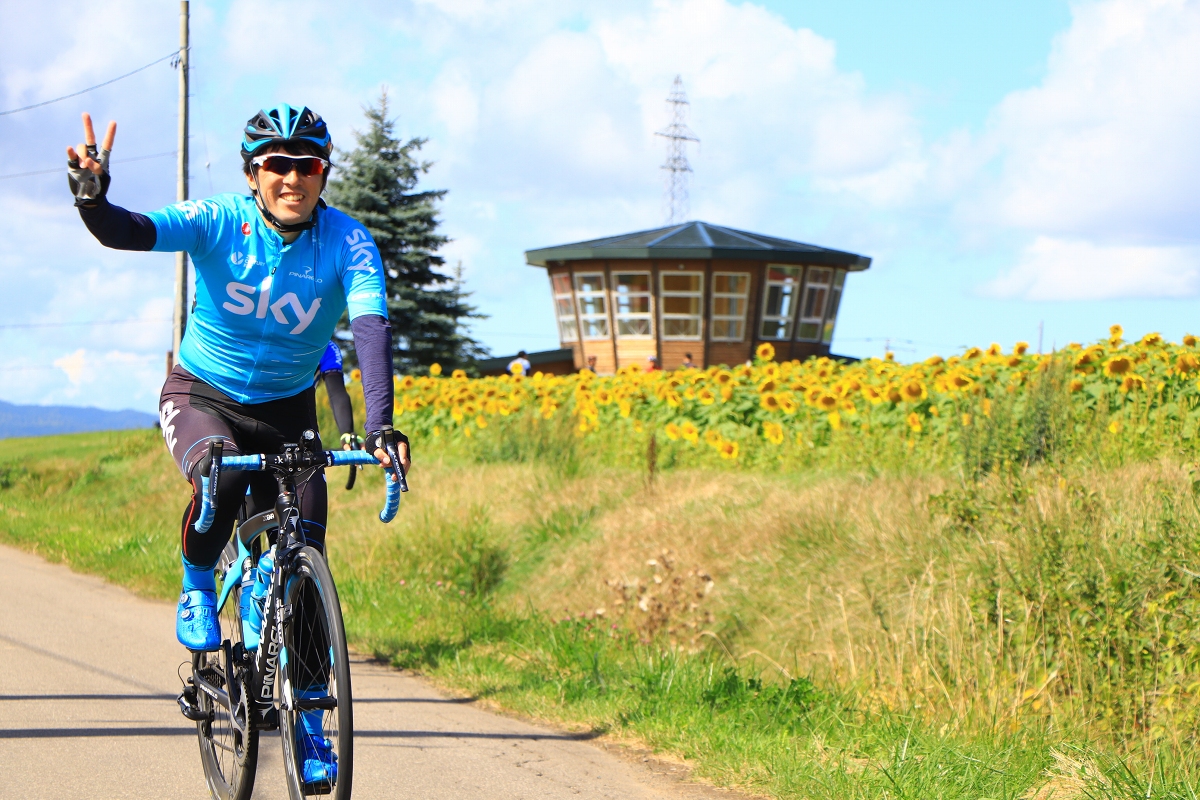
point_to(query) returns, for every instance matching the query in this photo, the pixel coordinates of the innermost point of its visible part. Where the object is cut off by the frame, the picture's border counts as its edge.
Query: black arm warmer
(373, 345)
(117, 228)
(339, 401)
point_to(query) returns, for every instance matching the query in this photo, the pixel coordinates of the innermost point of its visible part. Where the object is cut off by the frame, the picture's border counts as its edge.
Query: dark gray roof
(698, 240)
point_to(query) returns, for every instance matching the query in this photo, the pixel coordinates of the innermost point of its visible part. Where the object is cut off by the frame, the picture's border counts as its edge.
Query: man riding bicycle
(274, 271)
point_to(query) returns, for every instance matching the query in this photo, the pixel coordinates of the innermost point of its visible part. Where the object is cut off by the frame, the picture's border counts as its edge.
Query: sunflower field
(984, 408)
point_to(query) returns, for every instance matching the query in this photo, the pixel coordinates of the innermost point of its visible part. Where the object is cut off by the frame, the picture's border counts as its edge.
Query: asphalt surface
(87, 710)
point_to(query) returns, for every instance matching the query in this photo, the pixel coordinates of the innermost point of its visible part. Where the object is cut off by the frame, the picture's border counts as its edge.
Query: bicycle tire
(315, 626)
(230, 760)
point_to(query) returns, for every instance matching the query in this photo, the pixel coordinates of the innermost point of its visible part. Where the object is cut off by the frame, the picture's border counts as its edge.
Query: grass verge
(832, 635)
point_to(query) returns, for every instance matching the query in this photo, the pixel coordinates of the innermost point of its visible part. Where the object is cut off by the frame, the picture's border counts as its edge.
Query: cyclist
(274, 270)
(330, 371)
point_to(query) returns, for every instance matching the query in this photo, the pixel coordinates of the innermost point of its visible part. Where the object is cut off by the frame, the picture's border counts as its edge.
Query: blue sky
(1007, 165)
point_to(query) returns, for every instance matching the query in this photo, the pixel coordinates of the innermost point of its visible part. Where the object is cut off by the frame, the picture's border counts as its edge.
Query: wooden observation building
(694, 288)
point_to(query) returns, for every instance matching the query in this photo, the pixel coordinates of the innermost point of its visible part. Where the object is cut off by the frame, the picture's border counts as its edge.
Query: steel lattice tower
(677, 134)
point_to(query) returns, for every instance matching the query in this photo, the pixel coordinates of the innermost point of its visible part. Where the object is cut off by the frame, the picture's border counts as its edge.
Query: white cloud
(1104, 148)
(1060, 269)
(74, 366)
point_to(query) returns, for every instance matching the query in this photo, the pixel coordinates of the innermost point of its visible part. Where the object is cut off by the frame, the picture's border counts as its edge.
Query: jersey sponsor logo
(166, 415)
(245, 228)
(361, 248)
(242, 295)
(194, 208)
(307, 275)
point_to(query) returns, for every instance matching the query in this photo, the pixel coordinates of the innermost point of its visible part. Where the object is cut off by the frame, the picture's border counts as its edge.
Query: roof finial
(677, 134)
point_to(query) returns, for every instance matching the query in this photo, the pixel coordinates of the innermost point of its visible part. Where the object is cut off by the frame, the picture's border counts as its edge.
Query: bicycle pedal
(189, 707)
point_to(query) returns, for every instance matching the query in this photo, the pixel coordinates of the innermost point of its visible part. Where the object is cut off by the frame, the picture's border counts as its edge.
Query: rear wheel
(315, 677)
(228, 745)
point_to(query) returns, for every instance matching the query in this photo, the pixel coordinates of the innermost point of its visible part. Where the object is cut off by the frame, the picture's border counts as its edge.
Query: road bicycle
(300, 664)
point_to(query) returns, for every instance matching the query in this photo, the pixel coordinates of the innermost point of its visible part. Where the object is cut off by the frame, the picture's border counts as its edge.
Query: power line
(78, 324)
(63, 169)
(171, 54)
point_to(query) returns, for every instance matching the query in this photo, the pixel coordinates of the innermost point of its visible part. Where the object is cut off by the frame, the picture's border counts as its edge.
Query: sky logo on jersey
(243, 296)
(194, 208)
(362, 247)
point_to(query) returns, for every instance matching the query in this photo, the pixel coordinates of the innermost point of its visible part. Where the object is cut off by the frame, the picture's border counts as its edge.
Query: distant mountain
(44, 420)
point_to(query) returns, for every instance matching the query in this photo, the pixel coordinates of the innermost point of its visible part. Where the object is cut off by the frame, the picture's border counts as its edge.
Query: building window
(593, 311)
(730, 299)
(835, 297)
(682, 304)
(779, 301)
(563, 308)
(812, 311)
(631, 294)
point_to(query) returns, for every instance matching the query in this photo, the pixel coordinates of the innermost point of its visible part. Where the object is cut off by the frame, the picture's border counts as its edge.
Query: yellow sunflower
(914, 391)
(835, 420)
(356, 375)
(435, 369)
(773, 432)
(706, 397)
(1117, 365)
(625, 407)
(459, 374)
(1189, 340)
(1076, 384)
(672, 431)
(765, 352)
(769, 402)
(728, 450)
(1152, 339)
(1133, 382)
(1187, 363)
(689, 432)
(827, 402)
(711, 437)
(1020, 348)
(914, 422)
(995, 350)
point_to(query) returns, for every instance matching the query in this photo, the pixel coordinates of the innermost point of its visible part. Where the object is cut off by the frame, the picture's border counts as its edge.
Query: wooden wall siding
(803, 350)
(673, 351)
(729, 353)
(635, 351)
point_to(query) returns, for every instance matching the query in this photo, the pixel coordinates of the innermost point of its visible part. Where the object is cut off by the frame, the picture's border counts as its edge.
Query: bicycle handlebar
(333, 458)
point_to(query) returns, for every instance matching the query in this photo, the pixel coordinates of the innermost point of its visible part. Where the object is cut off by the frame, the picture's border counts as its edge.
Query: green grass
(834, 634)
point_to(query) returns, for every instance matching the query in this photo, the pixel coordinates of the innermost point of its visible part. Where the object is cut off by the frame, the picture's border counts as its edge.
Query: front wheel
(317, 719)
(228, 744)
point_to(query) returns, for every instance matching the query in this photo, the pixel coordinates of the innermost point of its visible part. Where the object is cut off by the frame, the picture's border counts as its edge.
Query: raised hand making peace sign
(87, 167)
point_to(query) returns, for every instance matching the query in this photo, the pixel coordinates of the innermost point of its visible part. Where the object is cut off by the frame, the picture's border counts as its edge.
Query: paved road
(87, 710)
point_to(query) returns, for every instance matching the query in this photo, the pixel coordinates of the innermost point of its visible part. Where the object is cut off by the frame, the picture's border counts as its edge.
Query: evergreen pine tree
(376, 183)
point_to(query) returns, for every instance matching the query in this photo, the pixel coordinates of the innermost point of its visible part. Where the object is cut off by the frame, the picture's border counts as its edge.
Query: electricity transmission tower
(677, 134)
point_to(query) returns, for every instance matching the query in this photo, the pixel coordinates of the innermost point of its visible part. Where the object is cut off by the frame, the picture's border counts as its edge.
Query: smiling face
(290, 198)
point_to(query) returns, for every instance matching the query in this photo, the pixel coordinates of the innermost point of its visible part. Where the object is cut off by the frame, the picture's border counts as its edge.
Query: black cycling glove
(88, 187)
(376, 441)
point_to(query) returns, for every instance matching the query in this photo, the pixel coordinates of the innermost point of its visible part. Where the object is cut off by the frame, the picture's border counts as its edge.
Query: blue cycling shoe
(318, 772)
(196, 624)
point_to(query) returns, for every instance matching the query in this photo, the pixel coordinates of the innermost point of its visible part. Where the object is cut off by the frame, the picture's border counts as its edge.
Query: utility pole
(179, 308)
(1040, 324)
(677, 134)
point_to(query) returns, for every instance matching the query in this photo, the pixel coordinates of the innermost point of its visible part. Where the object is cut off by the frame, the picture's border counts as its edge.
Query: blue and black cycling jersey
(265, 310)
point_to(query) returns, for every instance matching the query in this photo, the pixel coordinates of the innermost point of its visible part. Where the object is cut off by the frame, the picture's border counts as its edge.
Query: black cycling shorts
(193, 413)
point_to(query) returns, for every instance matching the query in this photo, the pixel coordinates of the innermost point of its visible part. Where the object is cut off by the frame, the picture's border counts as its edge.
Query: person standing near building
(520, 365)
(687, 362)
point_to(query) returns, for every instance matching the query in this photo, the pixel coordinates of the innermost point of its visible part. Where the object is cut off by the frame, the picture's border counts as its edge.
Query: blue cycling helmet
(283, 123)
